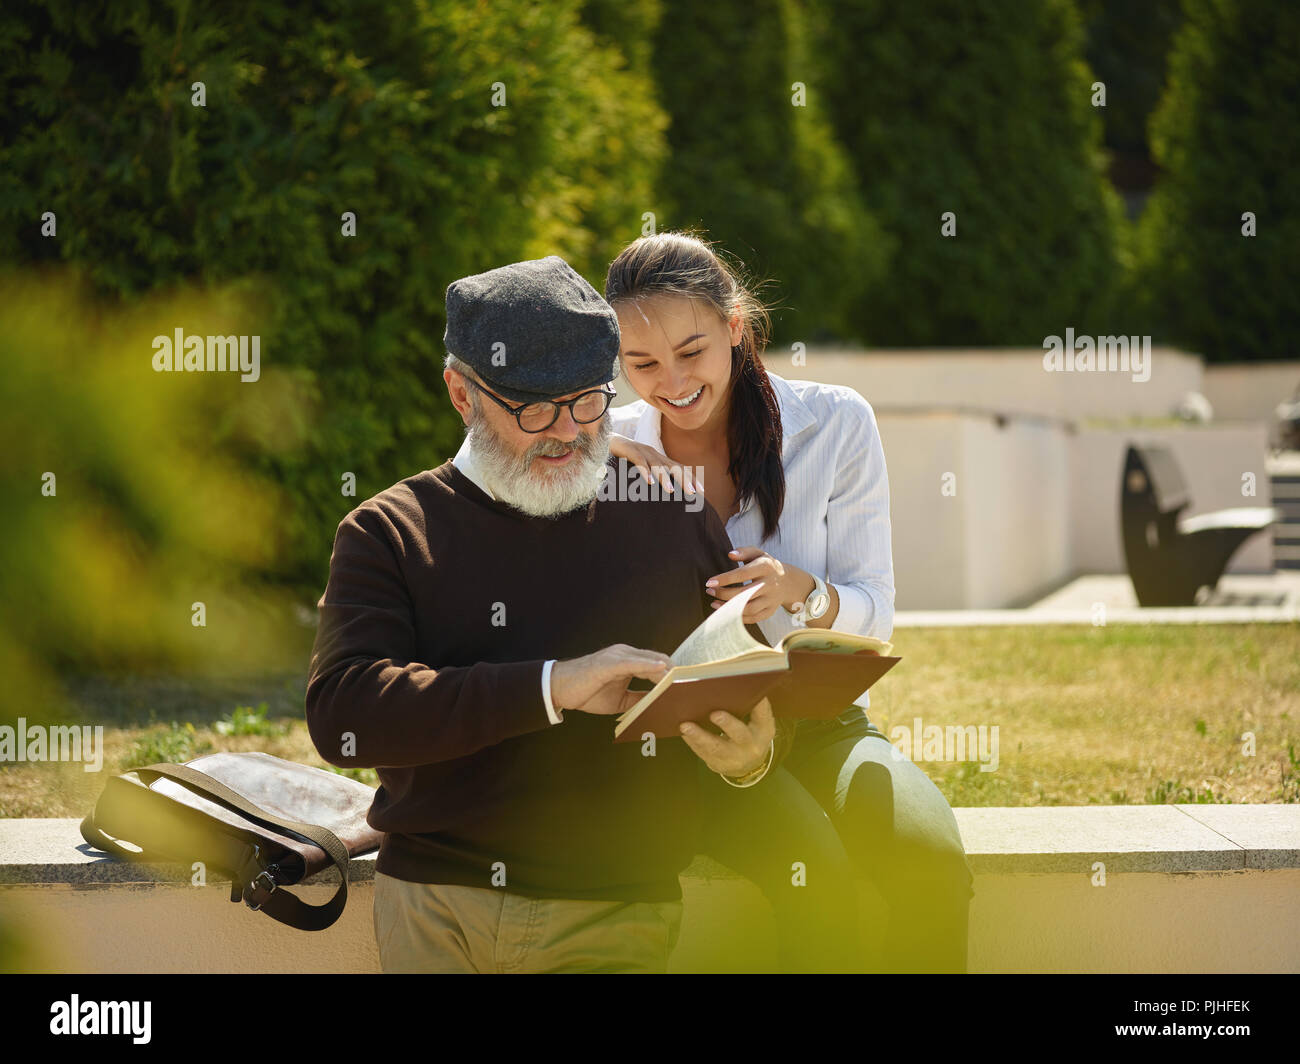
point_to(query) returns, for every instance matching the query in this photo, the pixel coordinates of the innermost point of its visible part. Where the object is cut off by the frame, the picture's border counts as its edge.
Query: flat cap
(533, 330)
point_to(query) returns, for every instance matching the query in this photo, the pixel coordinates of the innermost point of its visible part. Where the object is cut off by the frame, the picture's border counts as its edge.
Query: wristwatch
(816, 604)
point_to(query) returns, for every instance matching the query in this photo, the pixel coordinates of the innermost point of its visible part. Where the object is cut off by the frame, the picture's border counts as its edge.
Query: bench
(1171, 557)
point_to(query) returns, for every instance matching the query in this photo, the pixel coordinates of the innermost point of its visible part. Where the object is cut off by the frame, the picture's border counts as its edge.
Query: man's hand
(742, 748)
(598, 682)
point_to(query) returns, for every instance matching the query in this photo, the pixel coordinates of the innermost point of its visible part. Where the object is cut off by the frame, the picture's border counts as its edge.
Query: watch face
(818, 604)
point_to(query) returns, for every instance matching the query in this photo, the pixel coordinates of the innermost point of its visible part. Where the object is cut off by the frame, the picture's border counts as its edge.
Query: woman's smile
(686, 401)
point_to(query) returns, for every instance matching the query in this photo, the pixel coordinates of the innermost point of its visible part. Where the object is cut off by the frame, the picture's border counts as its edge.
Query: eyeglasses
(538, 417)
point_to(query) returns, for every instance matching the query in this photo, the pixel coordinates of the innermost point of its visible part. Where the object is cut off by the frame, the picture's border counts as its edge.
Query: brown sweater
(441, 607)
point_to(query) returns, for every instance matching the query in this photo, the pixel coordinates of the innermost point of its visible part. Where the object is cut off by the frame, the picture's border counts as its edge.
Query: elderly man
(460, 654)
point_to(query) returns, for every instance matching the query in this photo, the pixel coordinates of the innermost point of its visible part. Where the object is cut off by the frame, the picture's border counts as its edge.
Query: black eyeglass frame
(609, 394)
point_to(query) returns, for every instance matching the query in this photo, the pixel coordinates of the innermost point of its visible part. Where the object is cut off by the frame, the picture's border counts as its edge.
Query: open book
(813, 673)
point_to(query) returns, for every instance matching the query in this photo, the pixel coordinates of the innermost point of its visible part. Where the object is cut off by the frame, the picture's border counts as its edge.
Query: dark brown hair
(681, 264)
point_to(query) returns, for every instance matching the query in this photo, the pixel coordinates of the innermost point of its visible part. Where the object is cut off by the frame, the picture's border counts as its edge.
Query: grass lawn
(1124, 714)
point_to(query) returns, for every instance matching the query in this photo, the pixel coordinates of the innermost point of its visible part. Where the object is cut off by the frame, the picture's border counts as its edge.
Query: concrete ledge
(1131, 838)
(1184, 888)
(1164, 839)
(53, 851)
(1116, 615)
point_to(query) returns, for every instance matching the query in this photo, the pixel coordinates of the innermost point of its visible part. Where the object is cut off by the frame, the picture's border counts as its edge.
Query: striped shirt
(835, 523)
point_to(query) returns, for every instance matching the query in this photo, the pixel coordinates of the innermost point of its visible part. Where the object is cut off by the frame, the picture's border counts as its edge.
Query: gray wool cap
(532, 330)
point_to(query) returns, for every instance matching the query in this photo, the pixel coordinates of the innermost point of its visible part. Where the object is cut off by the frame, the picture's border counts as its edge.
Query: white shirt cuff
(854, 606)
(555, 715)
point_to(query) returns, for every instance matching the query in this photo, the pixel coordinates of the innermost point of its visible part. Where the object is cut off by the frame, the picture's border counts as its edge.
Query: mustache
(585, 445)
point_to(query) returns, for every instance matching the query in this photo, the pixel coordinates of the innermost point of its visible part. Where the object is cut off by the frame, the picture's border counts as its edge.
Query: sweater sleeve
(368, 703)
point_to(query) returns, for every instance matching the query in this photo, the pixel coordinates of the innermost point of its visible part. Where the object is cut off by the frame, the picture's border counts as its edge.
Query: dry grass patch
(1126, 714)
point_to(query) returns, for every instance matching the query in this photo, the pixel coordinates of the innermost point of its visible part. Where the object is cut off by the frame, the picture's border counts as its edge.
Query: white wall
(1250, 392)
(1002, 380)
(1017, 531)
(928, 528)
(1004, 536)
(1241, 921)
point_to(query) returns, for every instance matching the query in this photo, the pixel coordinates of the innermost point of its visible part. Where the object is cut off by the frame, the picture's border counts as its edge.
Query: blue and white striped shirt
(835, 523)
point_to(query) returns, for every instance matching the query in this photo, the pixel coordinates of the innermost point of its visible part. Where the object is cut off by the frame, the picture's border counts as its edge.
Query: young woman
(797, 474)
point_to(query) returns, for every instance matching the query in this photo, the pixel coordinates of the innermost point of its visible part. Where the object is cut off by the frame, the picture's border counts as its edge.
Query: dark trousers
(845, 803)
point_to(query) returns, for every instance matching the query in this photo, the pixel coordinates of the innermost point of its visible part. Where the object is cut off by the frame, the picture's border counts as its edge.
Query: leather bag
(263, 822)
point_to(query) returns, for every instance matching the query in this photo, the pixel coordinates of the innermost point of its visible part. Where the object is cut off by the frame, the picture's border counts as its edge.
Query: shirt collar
(464, 462)
(795, 415)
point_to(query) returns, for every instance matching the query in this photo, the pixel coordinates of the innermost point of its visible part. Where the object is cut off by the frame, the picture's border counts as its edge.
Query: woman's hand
(783, 585)
(741, 748)
(654, 465)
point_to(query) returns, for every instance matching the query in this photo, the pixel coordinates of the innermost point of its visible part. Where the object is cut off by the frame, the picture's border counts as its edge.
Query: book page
(720, 636)
(831, 641)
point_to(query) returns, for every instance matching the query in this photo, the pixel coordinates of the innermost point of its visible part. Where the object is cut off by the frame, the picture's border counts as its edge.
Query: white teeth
(688, 400)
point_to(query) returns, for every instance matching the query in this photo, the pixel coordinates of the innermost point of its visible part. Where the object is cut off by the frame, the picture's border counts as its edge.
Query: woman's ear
(736, 328)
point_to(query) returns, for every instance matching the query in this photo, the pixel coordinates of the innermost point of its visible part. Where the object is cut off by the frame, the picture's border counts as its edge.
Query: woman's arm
(654, 464)
(859, 550)
(859, 558)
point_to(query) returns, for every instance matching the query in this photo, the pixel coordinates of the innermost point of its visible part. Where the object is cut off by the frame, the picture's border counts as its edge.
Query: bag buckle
(261, 885)
(256, 885)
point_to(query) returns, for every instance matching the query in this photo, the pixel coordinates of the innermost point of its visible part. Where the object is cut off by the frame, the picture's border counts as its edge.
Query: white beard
(513, 480)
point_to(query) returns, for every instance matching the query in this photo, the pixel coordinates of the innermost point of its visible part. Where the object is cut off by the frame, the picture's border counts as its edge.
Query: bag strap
(256, 885)
(95, 837)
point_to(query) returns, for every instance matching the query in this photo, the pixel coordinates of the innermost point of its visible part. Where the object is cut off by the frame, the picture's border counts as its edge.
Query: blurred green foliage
(123, 507)
(165, 744)
(385, 110)
(1227, 135)
(368, 776)
(760, 172)
(250, 720)
(819, 141)
(983, 110)
(1127, 49)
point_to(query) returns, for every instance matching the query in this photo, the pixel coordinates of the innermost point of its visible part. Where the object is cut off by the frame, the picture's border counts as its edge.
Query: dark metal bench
(1170, 558)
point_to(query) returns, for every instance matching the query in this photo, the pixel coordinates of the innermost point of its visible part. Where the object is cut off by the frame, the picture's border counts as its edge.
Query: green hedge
(1128, 47)
(757, 173)
(983, 110)
(380, 109)
(1227, 135)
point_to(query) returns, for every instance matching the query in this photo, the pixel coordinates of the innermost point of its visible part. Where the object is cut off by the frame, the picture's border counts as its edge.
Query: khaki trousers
(436, 927)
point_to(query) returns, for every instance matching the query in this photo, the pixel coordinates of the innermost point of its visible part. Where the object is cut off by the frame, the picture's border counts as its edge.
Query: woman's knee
(895, 816)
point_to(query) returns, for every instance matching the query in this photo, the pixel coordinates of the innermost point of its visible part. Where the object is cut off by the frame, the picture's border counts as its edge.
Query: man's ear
(458, 390)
